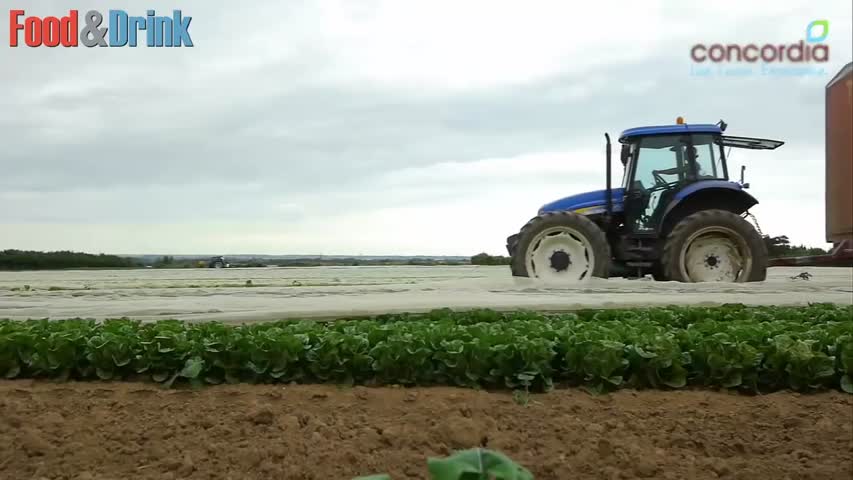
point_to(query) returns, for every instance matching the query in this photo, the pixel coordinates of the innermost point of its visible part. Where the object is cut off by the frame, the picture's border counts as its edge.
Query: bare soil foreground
(139, 431)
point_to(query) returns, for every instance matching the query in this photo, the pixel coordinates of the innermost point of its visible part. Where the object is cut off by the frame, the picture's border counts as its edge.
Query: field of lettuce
(656, 392)
(747, 348)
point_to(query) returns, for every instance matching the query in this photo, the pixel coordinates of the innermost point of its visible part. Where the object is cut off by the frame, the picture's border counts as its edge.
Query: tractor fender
(710, 194)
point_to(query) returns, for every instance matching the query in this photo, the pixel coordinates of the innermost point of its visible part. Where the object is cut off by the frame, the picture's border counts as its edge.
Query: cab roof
(670, 129)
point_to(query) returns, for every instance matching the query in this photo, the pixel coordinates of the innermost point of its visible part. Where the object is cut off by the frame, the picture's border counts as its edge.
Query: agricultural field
(252, 294)
(317, 374)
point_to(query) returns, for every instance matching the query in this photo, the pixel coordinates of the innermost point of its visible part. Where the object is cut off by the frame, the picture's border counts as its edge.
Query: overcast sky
(383, 127)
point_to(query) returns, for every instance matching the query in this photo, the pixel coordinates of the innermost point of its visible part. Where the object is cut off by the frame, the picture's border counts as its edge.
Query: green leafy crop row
(749, 348)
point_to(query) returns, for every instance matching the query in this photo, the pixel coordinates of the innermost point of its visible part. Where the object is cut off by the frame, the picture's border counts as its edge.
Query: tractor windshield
(664, 160)
(660, 161)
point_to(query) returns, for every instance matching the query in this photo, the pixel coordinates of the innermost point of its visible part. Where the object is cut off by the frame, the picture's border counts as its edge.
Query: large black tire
(744, 235)
(596, 238)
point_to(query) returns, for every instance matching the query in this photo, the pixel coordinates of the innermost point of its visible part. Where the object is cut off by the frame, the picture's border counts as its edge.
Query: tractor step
(640, 264)
(638, 254)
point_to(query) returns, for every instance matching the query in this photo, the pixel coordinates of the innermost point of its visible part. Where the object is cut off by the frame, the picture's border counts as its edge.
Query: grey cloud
(323, 134)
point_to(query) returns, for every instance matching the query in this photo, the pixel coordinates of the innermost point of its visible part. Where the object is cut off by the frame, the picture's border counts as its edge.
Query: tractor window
(662, 166)
(661, 161)
(708, 163)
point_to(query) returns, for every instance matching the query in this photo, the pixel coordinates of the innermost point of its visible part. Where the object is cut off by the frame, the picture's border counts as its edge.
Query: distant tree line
(486, 259)
(169, 261)
(781, 247)
(32, 260)
(355, 262)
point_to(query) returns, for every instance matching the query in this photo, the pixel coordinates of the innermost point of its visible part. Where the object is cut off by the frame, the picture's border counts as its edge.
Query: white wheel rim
(561, 254)
(715, 254)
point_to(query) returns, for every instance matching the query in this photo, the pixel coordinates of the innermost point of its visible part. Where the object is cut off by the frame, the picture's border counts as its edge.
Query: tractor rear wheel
(714, 246)
(560, 246)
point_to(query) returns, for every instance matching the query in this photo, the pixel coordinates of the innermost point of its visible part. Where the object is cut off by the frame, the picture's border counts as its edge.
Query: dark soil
(124, 431)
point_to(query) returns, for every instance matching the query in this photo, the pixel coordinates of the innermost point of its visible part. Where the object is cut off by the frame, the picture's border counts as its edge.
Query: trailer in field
(839, 176)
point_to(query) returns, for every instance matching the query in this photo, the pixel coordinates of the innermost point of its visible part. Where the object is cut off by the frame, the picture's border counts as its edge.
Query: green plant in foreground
(844, 351)
(474, 464)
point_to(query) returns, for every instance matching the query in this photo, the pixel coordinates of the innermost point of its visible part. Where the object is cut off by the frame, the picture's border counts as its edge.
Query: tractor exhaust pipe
(609, 194)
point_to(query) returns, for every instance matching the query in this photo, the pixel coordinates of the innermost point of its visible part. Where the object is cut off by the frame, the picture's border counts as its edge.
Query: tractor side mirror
(625, 154)
(742, 183)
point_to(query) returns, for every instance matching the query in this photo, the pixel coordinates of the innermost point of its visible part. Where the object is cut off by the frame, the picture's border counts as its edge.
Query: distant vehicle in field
(217, 262)
(838, 177)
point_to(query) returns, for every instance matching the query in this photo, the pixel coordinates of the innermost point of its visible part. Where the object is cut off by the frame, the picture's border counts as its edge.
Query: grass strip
(753, 349)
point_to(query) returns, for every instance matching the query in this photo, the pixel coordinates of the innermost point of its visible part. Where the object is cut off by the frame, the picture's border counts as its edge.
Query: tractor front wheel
(714, 246)
(560, 247)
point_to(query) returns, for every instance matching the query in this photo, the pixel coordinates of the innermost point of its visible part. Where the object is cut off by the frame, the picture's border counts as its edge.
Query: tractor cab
(664, 165)
(677, 214)
(659, 162)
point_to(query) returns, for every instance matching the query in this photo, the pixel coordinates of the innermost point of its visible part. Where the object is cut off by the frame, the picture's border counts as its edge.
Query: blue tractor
(677, 215)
